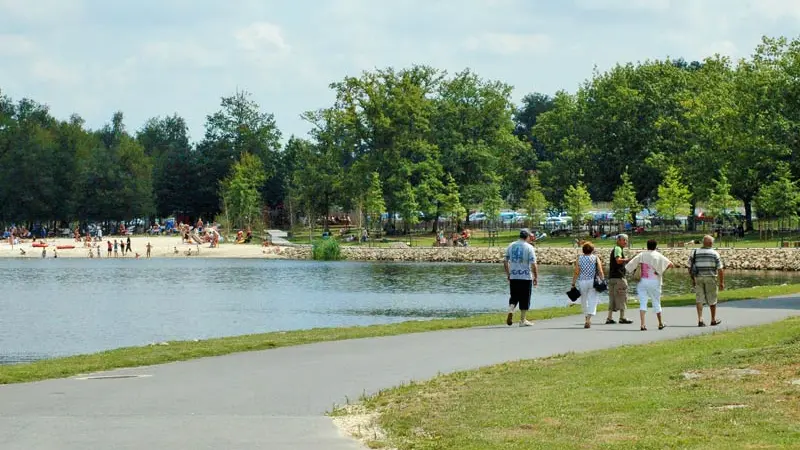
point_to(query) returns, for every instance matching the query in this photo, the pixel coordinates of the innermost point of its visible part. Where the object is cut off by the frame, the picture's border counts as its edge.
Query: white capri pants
(652, 289)
(589, 300)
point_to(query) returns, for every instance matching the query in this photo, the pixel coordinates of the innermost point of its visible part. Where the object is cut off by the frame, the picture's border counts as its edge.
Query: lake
(58, 307)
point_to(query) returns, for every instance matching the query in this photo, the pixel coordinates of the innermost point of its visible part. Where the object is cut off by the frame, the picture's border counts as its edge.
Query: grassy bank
(731, 390)
(184, 350)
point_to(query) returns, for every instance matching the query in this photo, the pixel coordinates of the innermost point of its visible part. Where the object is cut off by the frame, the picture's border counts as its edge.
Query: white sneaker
(525, 323)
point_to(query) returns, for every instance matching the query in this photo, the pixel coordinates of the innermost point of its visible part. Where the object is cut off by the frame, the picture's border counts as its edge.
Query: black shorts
(521, 294)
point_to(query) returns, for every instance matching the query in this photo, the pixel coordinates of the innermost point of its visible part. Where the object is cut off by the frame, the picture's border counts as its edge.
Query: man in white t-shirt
(522, 274)
(651, 265)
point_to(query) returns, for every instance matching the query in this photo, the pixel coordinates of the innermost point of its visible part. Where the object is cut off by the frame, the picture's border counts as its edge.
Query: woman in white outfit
(587, 267)
(651, 265)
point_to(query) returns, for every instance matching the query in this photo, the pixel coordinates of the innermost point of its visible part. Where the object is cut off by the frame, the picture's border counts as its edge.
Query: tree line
(424, 144)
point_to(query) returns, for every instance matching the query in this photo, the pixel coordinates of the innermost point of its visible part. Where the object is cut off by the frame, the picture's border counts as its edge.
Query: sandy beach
(163, 247)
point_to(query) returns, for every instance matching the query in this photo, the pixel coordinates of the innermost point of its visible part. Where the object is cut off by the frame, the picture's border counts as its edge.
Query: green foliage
(624, 204)
(577, 202)
(449, 200)
(673, 196)
(492, 202)
(534, 200)
(779, 199)
(326, 250)
(240, 191)
(721, 201)
(374, 205)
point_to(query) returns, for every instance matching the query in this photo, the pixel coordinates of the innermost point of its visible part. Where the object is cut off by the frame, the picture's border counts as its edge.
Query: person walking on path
(706, 270)
(617, 284)
(522, 274)
(587, 267)
(651, 265)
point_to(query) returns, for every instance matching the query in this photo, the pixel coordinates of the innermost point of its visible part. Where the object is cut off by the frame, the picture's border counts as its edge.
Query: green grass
(185, 350)
(504, 237)
(633, 397)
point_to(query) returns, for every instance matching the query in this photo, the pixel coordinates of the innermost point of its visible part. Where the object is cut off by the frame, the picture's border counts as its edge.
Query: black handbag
(600, 284)
(574, 294)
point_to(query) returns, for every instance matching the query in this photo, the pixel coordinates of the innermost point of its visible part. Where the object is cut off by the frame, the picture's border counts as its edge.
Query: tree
(492, 202)
(578, 202)
(624, 204)
(534, 200)
(238, 127)
(374, 205)
(673, 196)
(241, 191)
(449, 200)
(780, 198)
(721, 202)
(166, 142)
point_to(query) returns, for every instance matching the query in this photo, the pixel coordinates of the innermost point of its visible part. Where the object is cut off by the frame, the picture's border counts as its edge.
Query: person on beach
(587, 267)
(109, 247)
(617, 284)
(116, 249)
(149, 247)
(651, 265)
(522, 273)
(128, 244)
(706, 270)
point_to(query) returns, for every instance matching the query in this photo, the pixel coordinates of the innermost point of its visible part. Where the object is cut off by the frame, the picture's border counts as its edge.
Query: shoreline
(780, 259)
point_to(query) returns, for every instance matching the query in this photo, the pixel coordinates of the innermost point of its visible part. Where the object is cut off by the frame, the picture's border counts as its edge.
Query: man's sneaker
(510, 319)
(610, 321)
(626, 321)
(525, 323)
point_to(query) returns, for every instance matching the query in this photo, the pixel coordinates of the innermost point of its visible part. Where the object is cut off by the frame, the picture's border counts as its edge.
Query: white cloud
(262, 37)
(50, 71)
(508, 43)
(15, 45)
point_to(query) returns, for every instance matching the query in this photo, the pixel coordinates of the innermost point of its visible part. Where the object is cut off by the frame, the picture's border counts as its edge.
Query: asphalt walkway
(277, 399)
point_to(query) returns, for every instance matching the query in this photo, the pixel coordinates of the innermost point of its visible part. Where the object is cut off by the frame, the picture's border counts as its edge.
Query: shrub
(327, 250)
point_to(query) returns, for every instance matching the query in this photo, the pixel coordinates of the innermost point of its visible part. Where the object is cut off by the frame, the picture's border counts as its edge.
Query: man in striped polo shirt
(705, 268)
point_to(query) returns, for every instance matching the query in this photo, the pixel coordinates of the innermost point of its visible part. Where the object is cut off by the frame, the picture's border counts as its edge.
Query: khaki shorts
(706, 290)
(617, 294)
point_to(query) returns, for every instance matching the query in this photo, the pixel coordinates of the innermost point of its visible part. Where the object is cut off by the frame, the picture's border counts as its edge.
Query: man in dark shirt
(617, 284)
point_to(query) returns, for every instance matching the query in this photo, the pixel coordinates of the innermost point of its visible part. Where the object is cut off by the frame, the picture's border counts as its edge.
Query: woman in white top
(587, 267)
(651, 266)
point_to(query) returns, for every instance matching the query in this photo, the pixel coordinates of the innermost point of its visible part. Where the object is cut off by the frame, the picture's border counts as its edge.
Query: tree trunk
(690, 221)
(748, 213)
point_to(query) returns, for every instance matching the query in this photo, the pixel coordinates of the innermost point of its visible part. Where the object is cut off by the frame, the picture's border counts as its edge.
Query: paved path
(276, 399)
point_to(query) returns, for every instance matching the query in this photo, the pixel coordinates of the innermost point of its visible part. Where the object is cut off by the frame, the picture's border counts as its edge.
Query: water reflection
(68, 306)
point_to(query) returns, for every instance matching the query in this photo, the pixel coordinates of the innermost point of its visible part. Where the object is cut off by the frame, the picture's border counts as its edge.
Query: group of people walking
(649, 267)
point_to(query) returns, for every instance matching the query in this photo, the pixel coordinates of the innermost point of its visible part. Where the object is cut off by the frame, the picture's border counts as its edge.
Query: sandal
(587, 325)
(701, 324)
(716, 322)
(643, 329)
(610, 321)
(661, 327)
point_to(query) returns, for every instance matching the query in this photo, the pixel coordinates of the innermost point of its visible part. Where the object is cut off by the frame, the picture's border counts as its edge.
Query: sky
(151, 58)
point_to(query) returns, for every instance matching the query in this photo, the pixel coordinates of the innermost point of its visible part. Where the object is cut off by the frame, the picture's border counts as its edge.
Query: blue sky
(149, 58)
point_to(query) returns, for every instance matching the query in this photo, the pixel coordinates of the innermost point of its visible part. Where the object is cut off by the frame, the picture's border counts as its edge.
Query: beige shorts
(617, 294)
(706, 290)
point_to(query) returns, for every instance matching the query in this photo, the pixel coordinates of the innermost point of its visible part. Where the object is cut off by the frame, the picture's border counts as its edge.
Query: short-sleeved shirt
(616, 270)
(520, 255)
(706, 262)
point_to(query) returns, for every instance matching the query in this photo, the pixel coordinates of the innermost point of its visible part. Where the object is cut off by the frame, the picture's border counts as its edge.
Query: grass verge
(730, 390)
(185, 350)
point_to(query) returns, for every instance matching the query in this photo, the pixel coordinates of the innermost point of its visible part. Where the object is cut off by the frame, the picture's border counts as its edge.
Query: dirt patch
(355, 421)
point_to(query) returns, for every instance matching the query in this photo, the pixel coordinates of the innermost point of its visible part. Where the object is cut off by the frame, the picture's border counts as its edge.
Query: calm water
(58, 307)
